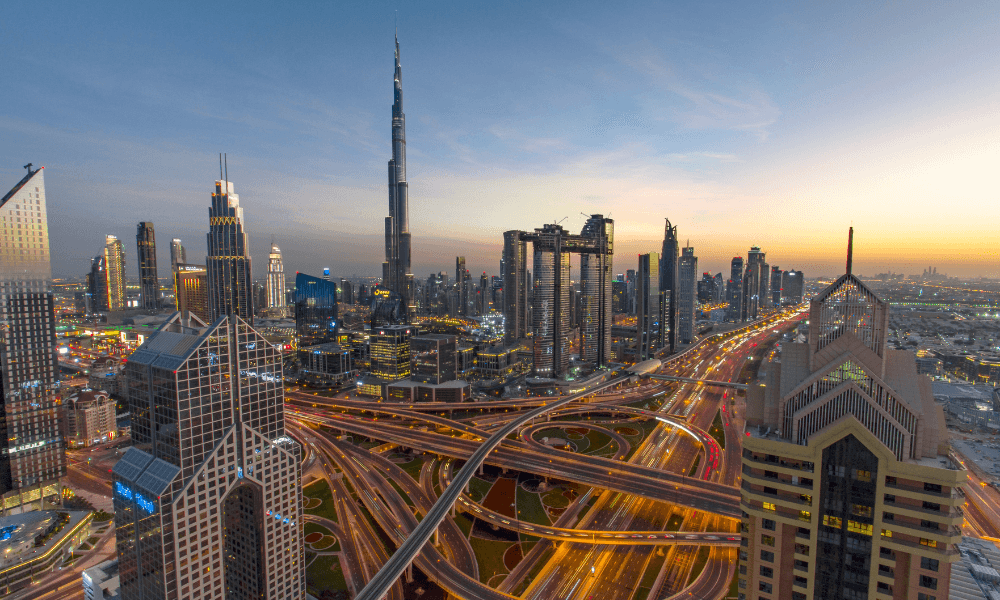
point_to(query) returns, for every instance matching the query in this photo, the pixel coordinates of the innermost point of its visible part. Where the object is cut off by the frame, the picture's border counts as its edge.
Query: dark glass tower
(32, 454)
(668, 284)
(149, 285)
(315, 310)
(230, 289)
(396, 273)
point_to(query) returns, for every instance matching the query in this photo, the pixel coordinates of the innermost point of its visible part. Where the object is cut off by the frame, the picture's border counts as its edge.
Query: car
(668, 536)
(690, 537)
(621, 535)
(651, 536)
(733, 539)
(712, 537)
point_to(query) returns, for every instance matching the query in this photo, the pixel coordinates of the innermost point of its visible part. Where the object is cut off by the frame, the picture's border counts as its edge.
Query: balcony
(953, 517)
(920, 493)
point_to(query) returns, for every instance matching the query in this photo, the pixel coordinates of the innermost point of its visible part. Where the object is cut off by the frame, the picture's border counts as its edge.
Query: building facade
(32, 451)
(275, 280)
(847, 490)
(177, 254)
(114, 273)
(208, 500)
(734, 290)
(668, 285)
(89, 418)
(149, 283)
(230, 289)
(649, 310)
(687, 300)
(397, 275)
(315, 310)
(191, 290)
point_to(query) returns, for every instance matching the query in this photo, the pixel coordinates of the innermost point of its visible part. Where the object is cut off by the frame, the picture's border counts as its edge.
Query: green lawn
(734, 585)
(308, 528)
(650, 574)
(694, 465)
(699, 563)
(489, 555)
(530, 509)
(717, 430)
(464, 523)
(405, 496)
(555, 499)
(325, 574)
(413, 467)
(479, 488)
(321, 489)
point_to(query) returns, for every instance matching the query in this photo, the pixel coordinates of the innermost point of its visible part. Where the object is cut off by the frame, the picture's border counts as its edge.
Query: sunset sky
(777, 124)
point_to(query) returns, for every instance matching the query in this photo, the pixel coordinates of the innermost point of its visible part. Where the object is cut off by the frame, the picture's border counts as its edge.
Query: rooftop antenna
(226, 158)
(850, 249)
(220, 165)
(561, 220)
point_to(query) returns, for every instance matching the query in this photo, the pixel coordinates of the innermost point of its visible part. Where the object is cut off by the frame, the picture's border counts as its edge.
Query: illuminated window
(887, 533)
(767, 540)
(928, 543)
(861, 510)
(832, 521)
(805, 515)
(769, 506)
(863, 475)
(856, 527)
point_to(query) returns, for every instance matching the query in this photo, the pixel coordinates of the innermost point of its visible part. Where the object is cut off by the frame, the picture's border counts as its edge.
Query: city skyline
(699, 119)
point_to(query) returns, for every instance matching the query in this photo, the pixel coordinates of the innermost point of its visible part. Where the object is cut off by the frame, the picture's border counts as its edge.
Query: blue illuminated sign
(146, 505)
(123, 490)
(239, 473)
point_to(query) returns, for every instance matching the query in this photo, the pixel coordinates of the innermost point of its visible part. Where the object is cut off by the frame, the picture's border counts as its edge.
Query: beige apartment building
(90, 418)
(847, 490)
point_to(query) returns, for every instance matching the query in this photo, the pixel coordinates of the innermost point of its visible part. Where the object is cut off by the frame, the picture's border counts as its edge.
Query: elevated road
(728, 384)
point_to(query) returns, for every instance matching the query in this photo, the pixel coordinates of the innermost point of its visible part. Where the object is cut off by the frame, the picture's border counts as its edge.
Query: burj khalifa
(396, 274)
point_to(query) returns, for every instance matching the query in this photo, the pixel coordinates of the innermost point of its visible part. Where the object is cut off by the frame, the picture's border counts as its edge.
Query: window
(890, 480)
(928, 543)
(932, 487)
(770, 474)
(928, 524)
(931, 564)
(832, 521)
(801, 565)
(887, 516)
(771, 491)
(769, 506)
(858, 527)
(805, 515)
(923, 596)
(861, 510)
(861, 475)
(932, 505)
(767, 540)
(886, 533)
(928, 582)
(766, 572)
(764, 587)
(806, 499)
(767, 555)
(767, 524)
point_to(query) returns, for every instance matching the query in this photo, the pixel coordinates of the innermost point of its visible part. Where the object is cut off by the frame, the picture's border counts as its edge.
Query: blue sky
(776, 124)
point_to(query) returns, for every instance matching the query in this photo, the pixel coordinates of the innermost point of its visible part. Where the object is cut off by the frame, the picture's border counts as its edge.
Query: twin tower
(550, 301)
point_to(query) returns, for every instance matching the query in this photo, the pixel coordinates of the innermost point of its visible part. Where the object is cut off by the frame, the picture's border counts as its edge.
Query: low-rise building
(89, 418)
(34, 543)
(102, 582)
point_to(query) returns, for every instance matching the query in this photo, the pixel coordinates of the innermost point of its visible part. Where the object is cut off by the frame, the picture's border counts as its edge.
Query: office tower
(776, 276)
(275, 279)
(460, 276)
(706, 288)
(847, 489)
(630, 291)
(208, 500)
(177, 254)
(315, 310)
(595, 316)
(390, 353)
(668, 285)
(483, 296)
(550, 341)
(396, 274)
(346, 291)
(114, 273)
(515, 287)
(687, 272)
(191, 290)
(734, 290)
(720, 288)
(230, 289)
(97, 285)
(649, 307)
(619, 296)
(326, 274)
(433, 358)
(754, 279)
(32, 453)
(149, 283)
(793, 284)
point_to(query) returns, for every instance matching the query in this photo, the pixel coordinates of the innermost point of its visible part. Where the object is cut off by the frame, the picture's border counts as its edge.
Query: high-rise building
(630, 290)
(346, 291)
(32, 452)
(275, 280)
(396, 274)
(97, 285)
(596, 316)
(433, 358)
(390, 353)
(619, 296)
(754, 284)
(461, 276)
(687, 273)
(649, 307)
(776, 275)
(793, 283)
(706, 288)
(149, 282)
(208, 500)
(191, 290)
(177, 254)
(549, 304)
(230, 288)
(316, 319)
(734, 290)
(114, 273)
(668, 285)
(847, 488)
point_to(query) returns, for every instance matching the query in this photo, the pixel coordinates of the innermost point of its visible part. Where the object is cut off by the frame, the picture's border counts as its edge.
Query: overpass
(729, 384)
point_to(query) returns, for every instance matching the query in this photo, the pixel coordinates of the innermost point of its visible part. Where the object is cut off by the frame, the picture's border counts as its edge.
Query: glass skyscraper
(208, 500)
(149, 285)
(228, 262)
(315, 310)
(32, 453)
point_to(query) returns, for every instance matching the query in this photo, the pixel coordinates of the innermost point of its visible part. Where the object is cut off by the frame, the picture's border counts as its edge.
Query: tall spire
(850, 249)
(396, 274)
